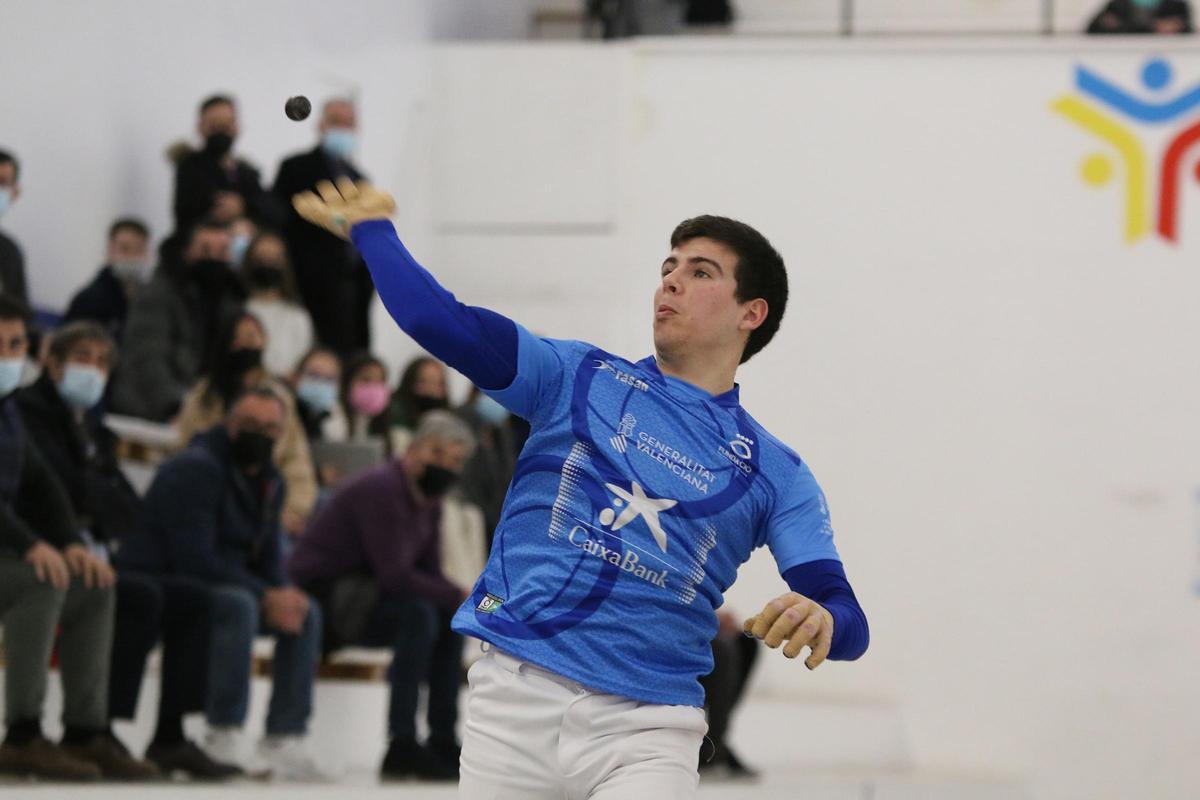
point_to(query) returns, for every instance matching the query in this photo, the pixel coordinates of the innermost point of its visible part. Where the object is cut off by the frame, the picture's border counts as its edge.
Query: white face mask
(6, 198)
(10, 374)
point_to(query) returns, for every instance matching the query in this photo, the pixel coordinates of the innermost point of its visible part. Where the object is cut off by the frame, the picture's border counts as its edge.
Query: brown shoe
(45, 760)
(113, 758)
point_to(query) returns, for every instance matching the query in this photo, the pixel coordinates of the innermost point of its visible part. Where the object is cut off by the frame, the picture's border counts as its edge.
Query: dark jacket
(333, 281)
(12, 270)
(33, 505)
(1125, 16)
(171, 324)
(202, 517)
(198, 178)
(374, 525)
(84, 458)
(104, 300)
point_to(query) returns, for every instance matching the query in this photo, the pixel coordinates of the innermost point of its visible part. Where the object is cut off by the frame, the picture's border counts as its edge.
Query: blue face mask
(1149, 5)
(317, 393)
(237, 248)
(10, 374)
(339, 142)
(489, 410)
(5, 200)
(82, 386)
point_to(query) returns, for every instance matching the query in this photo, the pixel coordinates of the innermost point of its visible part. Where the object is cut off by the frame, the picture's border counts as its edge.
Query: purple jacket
(375, 525)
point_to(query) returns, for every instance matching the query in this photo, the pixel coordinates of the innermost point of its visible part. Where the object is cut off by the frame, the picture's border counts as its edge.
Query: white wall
(995, 390)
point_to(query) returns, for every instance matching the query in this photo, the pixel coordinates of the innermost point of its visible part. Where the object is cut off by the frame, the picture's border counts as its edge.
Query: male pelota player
(642, 488)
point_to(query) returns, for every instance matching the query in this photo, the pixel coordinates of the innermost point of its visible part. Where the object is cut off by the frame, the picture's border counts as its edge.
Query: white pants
(534, 735)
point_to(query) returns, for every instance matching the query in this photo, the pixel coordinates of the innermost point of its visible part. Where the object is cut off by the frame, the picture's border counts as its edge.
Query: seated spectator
(422, 388)
(50, 582)
(212, 514)
(59, 416)
(126, 269)
(1143, 16)
(317, 381)
(486, 477)
(236, 365)
(365, 397)
(272, 298)
(212, 182)
(372, 558)
(12, 260)
(733, 658)
(172, 323)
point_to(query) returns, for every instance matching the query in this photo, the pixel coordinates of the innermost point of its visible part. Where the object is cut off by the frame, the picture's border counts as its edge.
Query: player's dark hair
(128, 224)
(759, 272)
(8, 158)
(12, 308)
(215, 100)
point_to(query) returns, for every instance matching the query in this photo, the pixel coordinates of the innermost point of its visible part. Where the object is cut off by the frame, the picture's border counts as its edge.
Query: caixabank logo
(1149, 132)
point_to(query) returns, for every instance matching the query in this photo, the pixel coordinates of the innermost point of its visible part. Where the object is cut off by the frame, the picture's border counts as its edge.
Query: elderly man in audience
(174, 321)
(126, 269)
(60, 417)
(49, 581)
(372, 556)
(213, 514)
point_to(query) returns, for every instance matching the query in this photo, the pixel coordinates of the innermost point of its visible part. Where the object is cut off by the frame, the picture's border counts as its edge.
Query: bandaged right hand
(339, 208)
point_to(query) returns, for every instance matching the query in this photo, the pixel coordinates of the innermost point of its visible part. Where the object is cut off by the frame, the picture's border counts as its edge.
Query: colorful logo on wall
(1116, 116)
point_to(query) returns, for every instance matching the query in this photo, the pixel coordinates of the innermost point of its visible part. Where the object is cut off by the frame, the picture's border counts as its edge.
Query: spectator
(106, 299)
(241, 232)
(316, 382)
(172, 323)
(212, 182)
(372, 558)
(12, 260)
(733, 658)
(365, 397)
(487, 475)
(49, 583)
(212, 513)
(1143, 16)
(334, 283)
(422, 388)
(235, 366)
(272, 290)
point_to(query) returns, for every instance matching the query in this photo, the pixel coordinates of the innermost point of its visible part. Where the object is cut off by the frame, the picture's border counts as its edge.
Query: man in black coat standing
(212, 182)
(333, 280)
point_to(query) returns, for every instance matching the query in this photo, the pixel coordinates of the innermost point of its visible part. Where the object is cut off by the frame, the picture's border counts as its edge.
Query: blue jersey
(635, 500)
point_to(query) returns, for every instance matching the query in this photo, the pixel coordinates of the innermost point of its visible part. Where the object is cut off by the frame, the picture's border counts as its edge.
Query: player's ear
(754, 314)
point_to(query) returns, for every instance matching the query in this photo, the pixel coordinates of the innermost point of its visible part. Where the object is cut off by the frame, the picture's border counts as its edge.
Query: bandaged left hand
(798, 621)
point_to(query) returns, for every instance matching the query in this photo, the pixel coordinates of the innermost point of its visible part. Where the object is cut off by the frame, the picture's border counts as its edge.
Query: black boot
(186, 757)
(407, 759)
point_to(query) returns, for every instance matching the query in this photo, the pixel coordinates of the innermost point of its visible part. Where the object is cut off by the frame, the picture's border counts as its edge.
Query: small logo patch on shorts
(489, 603)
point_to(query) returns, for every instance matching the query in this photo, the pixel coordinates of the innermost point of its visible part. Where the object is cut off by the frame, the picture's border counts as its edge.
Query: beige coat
(292, 455)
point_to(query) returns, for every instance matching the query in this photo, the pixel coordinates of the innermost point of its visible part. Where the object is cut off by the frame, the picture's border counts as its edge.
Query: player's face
(695, 308)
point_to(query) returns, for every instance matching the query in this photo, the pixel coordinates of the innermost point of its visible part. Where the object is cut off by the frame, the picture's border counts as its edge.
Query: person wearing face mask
(365, 397)
(213, 514)
(373, 558)
(52, 586)
(316, 382)
(173, 323)
(422, 388)
(267, 273)
(12, 260)
(126, 269)
(333, 281)
(1143, 16)
(60, 416)
(212, 182)
(235, 365)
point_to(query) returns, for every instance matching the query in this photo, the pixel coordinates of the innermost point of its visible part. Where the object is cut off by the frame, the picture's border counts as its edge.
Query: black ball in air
(297, 107)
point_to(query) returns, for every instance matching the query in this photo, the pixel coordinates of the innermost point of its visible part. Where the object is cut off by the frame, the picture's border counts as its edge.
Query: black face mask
(423, 403)
(218, 144)
(210, 274)
(244, 359)
(262, 276)
(251, 450)
(436, 481)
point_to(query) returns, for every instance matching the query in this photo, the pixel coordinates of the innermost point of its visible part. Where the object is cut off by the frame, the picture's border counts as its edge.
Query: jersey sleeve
(799, 529)
(541, 367)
